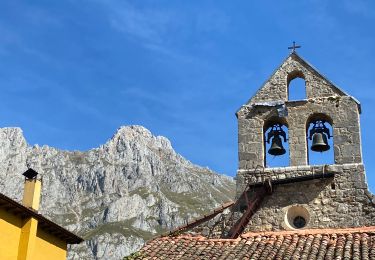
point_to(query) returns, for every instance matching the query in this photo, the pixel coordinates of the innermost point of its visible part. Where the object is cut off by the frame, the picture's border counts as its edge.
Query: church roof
(349, 243)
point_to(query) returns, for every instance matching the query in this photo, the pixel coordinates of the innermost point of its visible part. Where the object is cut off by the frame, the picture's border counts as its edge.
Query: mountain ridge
(118, 195)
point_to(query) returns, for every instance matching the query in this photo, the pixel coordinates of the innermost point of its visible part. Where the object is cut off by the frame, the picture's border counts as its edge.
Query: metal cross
(294, 47)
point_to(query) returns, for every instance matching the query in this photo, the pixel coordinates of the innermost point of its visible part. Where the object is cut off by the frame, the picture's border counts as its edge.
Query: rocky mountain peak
(118, 195)
(139, 135)
(133, 131)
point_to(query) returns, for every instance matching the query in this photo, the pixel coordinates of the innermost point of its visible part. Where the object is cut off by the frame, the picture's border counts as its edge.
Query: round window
(297, 217)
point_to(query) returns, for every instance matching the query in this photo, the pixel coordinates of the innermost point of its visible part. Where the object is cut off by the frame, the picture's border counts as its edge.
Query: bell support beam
(295, 179)
(201, 220)
(252, 206)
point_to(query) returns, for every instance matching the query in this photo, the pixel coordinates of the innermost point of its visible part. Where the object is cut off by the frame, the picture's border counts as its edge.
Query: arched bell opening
(276, 146)
(296, 86)
(319, 134)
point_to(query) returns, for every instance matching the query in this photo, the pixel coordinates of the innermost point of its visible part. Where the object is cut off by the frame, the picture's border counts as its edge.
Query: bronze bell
(276, 147)
(319, 142)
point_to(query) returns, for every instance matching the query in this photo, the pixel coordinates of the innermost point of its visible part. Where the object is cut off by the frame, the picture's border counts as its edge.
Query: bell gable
(276, 88)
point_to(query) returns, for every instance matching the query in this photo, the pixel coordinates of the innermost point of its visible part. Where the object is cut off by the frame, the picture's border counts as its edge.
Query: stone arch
(273, 120)
(325, 157)
(319, 116)
(282, 160)
(296, 85)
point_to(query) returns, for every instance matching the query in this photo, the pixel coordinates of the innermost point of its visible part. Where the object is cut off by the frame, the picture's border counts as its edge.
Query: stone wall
(342, 112)
(342, 201)
(276, 87)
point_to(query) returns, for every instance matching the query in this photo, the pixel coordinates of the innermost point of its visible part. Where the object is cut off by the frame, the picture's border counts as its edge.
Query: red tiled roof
(349, 243)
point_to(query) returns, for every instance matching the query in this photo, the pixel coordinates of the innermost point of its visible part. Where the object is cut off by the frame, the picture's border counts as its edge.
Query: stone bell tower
(302, 195)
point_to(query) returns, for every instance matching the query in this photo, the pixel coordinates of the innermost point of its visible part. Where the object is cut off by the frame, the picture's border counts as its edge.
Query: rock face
(116, 196)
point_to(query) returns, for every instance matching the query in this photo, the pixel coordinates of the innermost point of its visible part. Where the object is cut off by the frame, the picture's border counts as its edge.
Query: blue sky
(72, 72)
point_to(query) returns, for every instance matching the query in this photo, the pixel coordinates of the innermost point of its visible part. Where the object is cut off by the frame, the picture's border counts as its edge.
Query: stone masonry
(339, 201)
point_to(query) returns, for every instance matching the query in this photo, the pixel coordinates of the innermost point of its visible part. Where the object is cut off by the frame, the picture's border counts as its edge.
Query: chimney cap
(30, 174)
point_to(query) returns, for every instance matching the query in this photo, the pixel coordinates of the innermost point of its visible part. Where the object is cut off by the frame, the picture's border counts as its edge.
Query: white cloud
(156, 25)
(150, 25)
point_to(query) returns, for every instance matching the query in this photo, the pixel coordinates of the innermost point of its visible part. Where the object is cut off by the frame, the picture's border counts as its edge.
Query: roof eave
(61, 232)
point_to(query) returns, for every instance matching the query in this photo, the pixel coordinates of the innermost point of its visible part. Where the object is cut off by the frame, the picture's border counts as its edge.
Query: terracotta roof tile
(349, 243)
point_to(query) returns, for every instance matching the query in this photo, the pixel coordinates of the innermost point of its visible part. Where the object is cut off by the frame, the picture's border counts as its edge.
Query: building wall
(342, 111)
(276, 87)
(342, 201)
(46, 245)
(10, 231)
(49, 247)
